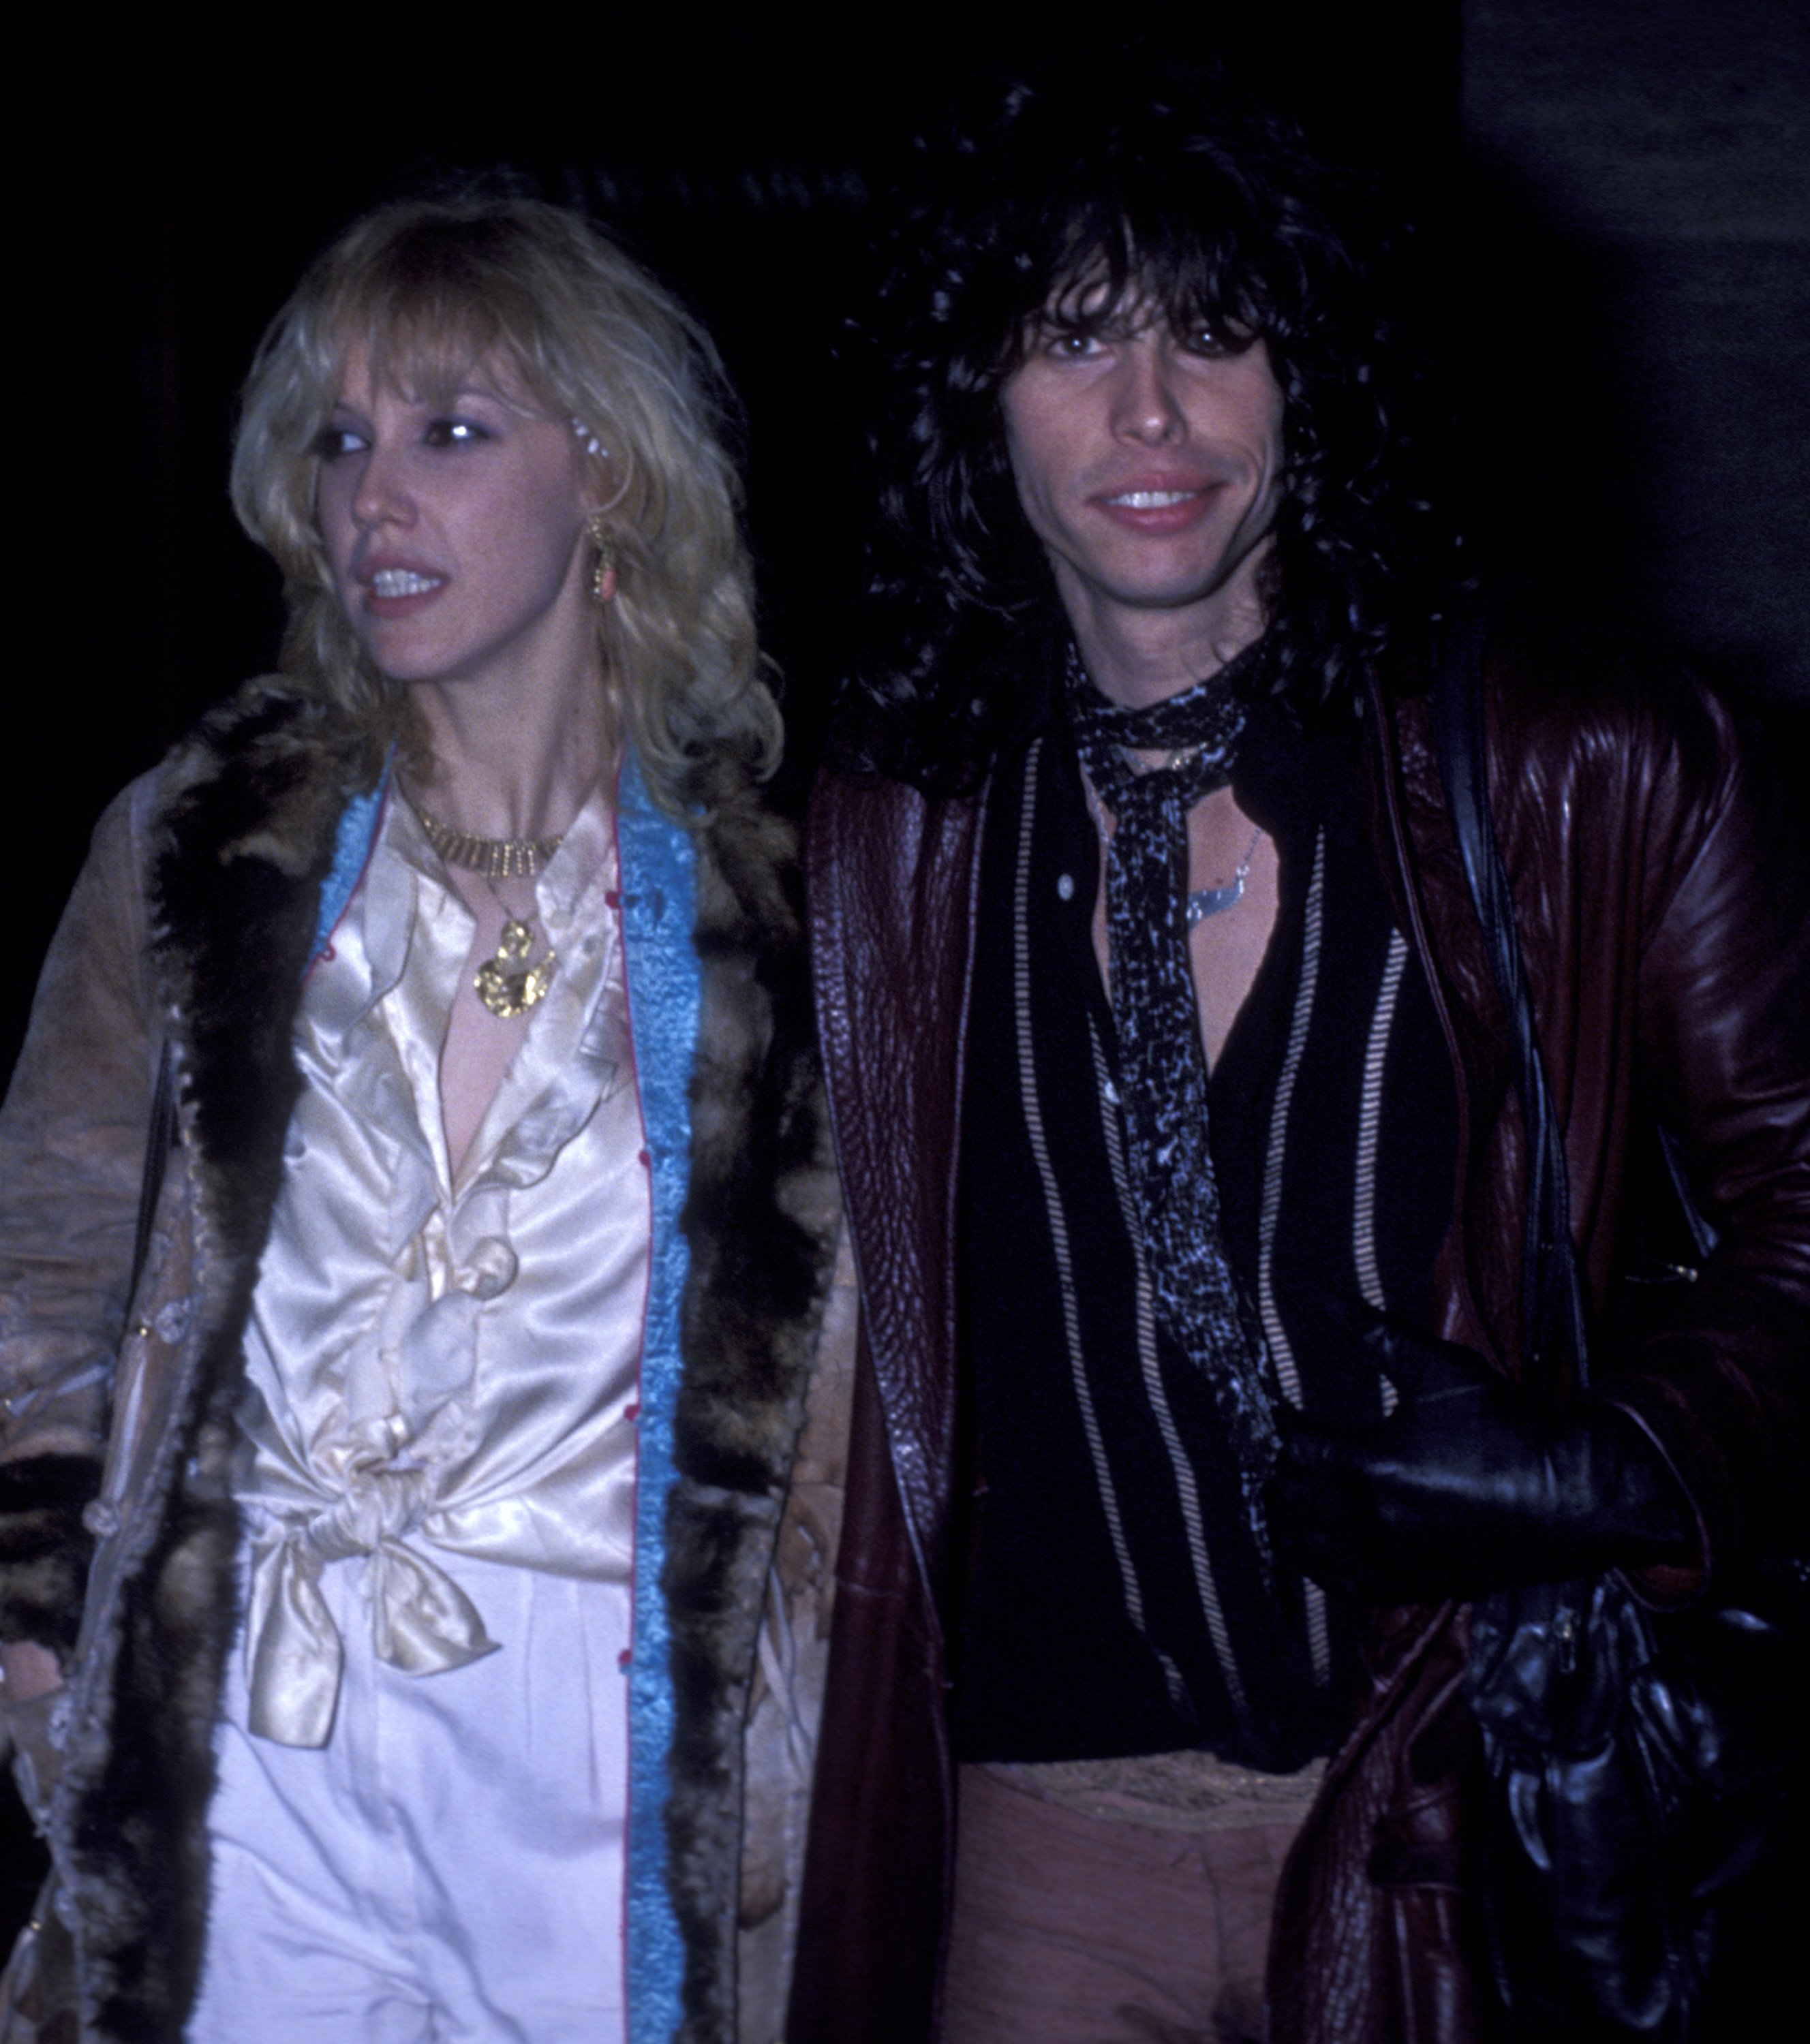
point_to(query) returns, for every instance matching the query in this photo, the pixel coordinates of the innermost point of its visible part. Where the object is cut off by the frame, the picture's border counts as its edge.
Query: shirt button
(1065, 887)
(489, 1269)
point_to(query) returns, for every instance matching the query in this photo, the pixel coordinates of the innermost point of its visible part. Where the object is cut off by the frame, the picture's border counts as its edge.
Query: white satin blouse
(437, 1361)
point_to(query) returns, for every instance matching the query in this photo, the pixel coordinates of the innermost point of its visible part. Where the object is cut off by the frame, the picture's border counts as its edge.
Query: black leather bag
(1633, 1761)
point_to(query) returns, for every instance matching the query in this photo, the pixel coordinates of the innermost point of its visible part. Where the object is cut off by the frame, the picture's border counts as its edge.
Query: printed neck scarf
(1162, 1065)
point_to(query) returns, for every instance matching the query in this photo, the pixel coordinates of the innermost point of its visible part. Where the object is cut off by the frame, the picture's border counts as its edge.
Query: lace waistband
(1188, 1791)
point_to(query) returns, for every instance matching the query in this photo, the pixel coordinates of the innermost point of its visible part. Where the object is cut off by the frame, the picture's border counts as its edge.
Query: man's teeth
(402, 581)
(1152, 500)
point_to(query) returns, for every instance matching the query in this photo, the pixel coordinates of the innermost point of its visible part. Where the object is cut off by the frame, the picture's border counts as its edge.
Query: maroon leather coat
(1669, 955)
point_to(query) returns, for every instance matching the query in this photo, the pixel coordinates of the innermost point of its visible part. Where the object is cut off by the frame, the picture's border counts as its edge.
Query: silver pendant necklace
(1205, 902)
(1202, 901)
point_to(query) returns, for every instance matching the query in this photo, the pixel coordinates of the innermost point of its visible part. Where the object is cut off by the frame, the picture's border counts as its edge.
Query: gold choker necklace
(493, 858)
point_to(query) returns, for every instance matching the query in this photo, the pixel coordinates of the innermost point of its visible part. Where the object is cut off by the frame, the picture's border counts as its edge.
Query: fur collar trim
(760, 1220)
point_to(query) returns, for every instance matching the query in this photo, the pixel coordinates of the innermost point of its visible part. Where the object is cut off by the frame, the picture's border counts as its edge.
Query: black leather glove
(1462, 1490)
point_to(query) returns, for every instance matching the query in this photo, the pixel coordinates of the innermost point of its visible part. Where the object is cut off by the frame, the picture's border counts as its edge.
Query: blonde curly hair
(430, 286)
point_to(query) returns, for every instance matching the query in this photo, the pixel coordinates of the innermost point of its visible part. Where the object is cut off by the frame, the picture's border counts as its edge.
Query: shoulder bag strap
(158, 1141)
(1552, 1301)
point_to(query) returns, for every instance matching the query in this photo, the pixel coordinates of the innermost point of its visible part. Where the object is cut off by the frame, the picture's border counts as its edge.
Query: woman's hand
(1462, 1489)
(29, 1670)
(33, 1676)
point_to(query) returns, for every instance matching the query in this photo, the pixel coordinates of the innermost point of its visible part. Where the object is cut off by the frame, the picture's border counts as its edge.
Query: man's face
(1148, 462)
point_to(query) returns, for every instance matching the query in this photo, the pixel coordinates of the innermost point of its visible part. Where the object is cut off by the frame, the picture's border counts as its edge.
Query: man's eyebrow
(1071, 311)
(1106, 320)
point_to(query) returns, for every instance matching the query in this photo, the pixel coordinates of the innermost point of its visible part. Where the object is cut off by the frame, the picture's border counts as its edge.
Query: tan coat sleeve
(72, 1136)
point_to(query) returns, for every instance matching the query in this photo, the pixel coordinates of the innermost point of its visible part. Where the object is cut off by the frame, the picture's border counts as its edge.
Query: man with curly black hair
(1188, 1179)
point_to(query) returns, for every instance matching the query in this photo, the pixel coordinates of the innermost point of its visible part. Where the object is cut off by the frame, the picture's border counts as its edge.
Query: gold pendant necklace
(506, 983)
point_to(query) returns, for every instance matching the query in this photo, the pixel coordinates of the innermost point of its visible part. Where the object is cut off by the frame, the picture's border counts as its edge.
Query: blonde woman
(414, 1227)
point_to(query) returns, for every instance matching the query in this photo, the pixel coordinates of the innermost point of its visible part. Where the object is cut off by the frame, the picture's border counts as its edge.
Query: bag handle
(1552, 1293)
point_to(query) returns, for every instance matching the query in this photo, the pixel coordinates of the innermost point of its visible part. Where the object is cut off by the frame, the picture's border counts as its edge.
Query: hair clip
(588, 439)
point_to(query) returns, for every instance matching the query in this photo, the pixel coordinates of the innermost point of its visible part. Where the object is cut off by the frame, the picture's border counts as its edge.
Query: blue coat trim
(659, 890)
(352, 853)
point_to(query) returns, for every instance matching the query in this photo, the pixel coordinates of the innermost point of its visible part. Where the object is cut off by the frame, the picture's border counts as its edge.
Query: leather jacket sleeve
(1666, 934)
(1724, 1058)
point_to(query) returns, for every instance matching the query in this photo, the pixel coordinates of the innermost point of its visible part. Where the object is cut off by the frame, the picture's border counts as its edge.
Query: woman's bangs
(430, 339)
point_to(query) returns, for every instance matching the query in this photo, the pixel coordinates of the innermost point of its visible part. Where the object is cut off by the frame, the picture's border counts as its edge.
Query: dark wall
(1638, 238)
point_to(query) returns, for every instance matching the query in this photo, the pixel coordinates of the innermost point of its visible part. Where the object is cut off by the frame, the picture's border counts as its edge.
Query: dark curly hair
(1215, 214)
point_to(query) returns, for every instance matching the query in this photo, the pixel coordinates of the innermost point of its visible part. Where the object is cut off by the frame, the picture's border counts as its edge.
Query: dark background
(1613, 196)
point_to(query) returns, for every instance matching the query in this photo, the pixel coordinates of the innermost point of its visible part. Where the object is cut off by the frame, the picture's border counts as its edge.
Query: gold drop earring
(603, 568)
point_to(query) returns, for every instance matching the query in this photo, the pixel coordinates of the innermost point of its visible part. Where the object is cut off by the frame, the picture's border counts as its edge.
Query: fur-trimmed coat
(192, 925)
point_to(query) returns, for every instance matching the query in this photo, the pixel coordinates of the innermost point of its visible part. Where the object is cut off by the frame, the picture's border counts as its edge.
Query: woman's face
(454, 525)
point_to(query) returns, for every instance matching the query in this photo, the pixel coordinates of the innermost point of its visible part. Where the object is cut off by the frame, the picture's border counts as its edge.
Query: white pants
(448, 1868)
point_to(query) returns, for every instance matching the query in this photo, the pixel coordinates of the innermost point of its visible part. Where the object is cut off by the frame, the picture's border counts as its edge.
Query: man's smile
(1156, 507)
(1152, 500)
